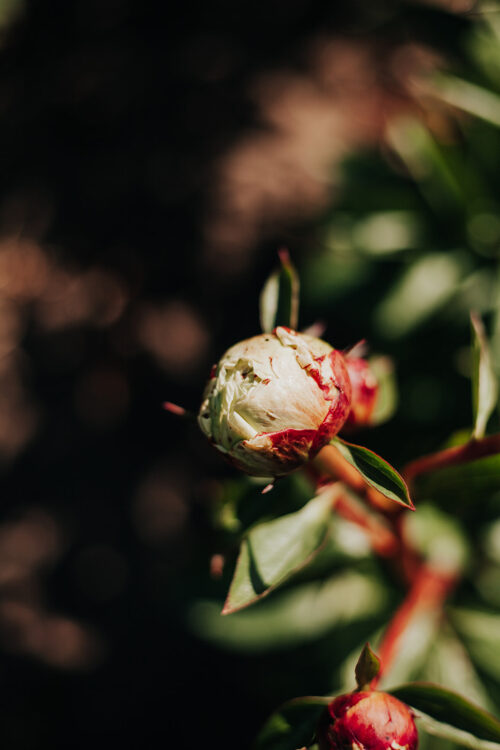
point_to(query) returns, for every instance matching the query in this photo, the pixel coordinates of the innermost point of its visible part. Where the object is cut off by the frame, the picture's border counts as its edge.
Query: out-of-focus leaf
(491, 541)
(483, 45)
(238, 503)
(422, 290)
(457, 736)
(413, 647)
(293, 726)
(334, 274)
(484, 381)
(438, 537)
(467, 96)
(279, 299)
(293, 616)
(387, 397)
(375, 471)
(448, 707)
(479, 290)
(367, 667)
(276, 549)
(464, 483)
(449, 664)
(386, 232)
(495, 334)
(429, 164)
(481, 634)
(487, 583)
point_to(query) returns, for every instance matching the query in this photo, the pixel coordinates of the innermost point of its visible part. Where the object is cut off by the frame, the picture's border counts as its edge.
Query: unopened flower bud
(368, 720)
(274, 400)
(364, 392)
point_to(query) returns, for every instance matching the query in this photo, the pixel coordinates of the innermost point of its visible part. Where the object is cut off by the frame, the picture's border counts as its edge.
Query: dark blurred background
(154, 158)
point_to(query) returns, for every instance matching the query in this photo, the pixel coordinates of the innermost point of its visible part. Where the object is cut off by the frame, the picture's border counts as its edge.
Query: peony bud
(364, 392)
(274, 400)
(367, 721)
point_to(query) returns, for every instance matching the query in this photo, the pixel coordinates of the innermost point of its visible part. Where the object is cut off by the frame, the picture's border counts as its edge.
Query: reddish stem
(382, 539)
(428, 591)
(179, 411)
(452, 456)
(428, 587)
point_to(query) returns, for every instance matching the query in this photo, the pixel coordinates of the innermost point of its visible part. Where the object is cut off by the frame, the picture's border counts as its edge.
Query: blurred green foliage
(410, 247)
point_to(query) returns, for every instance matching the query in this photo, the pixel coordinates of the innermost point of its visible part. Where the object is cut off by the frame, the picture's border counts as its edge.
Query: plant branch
(460, 454)
(428, 591)
(382, 539)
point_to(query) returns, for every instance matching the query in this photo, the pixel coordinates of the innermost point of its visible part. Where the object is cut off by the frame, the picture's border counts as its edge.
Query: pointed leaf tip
(367, 668)
(376, 472)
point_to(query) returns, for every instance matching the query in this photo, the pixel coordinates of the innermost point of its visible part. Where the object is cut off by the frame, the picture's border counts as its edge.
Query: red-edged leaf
(376, 472)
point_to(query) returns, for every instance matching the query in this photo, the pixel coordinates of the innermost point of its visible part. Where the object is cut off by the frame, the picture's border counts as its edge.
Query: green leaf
(441, 184)
(293, 725)
(237, 504)
(449, 664)
(423, 289)
(467, 96)
(457, 736)
(292, 616)
(367, 668)
(375, 471)
(387, 397)
(464, 484)
(480, 631)
(450, 708)
(276, 549)
(413, 647)
(484, 381)
(438, 538)
(279, 299)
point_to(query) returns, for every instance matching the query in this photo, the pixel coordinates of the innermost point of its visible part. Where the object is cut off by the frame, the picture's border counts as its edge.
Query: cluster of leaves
(439, 190)
(276, 546)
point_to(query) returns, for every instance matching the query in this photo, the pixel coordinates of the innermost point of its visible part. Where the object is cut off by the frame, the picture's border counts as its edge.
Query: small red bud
(367, 721)
(364, 392)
